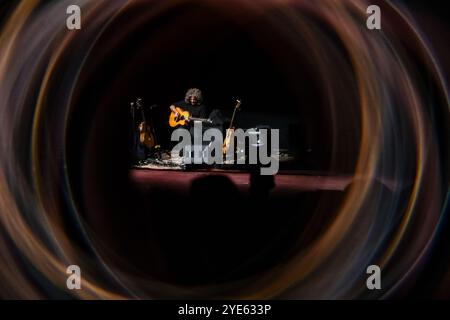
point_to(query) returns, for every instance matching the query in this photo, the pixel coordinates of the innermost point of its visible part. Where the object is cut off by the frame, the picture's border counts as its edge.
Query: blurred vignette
(379, 108)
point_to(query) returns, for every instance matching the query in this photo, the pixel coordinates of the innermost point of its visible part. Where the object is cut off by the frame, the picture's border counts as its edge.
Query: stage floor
(284, 182)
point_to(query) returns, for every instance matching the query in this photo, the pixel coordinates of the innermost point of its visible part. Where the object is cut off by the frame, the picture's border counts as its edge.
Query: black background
(225, 66)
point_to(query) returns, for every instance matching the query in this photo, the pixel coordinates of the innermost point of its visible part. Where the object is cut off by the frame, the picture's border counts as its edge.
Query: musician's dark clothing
(197, 111)
(201, 111)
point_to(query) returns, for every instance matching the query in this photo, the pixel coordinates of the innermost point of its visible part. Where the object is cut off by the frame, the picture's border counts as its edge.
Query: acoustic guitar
(146, 135)
(182, 118)
(230, 130)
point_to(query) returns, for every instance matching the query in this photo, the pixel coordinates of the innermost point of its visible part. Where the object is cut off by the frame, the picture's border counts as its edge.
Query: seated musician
(193, 103)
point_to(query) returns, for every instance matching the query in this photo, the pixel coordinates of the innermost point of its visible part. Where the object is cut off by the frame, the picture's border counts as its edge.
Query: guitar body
(227, 141)
(146, 136)
(180, 119)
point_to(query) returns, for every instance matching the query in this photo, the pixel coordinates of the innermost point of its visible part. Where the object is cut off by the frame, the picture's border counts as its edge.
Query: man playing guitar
(193, 103)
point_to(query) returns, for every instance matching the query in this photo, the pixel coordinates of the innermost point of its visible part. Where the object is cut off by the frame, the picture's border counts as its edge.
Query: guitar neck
(234, 114)
(140, 106)
(232, 119)
(199, 119)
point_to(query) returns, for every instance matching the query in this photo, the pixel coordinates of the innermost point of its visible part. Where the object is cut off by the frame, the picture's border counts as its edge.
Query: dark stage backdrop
(279, 82)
